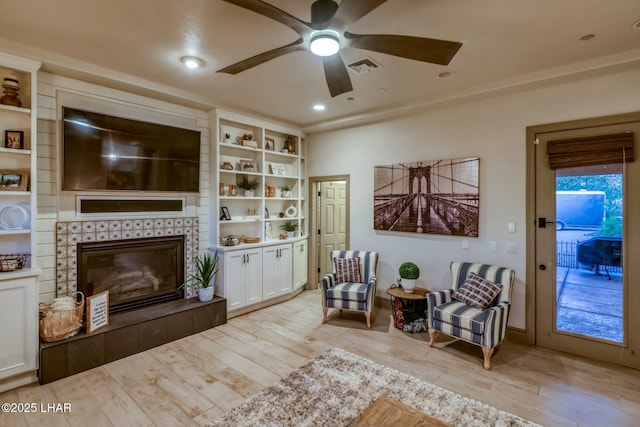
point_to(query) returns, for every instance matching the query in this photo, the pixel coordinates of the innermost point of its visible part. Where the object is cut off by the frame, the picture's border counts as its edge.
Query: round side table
(409, 307)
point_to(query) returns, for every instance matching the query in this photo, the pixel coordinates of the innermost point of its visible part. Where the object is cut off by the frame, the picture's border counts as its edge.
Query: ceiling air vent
(364, 65)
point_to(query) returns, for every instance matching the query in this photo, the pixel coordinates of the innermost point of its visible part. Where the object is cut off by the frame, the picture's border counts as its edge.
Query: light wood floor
(198, 378)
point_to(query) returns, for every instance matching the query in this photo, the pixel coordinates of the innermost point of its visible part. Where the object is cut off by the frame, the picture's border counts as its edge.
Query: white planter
(291, 234)
(206, 294)
(408, 285)
(248, 193)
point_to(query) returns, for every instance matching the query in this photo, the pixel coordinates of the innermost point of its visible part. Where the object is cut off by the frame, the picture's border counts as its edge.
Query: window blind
(590, 150)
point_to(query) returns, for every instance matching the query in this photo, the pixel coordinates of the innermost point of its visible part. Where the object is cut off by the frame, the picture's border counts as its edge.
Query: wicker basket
(59, 324)
(13, 262)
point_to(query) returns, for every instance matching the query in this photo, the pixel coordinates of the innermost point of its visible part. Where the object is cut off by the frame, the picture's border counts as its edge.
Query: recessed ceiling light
(636, 25)
(192, 62)
(446, 74)
(319, 107)
(587, 37)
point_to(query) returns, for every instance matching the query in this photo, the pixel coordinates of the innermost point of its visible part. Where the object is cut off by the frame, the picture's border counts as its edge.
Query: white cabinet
(277, 270)
(19, 317)
(242, 272)
(18, 214)
(300, 263)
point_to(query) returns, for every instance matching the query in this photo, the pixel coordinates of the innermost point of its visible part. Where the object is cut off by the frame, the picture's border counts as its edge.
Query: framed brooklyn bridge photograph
(431, 196)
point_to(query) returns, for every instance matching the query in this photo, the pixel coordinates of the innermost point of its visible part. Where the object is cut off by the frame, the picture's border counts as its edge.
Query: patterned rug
(337, 386)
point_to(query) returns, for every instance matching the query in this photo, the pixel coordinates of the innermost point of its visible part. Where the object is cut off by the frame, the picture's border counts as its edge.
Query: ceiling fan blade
(274, 13)
(337, 75)
(350, 11)
(263, 57)
(420, 49)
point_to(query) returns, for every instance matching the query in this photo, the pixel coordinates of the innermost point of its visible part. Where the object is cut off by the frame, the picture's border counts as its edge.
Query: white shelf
(278, 135)
(17, 231)
(4, 193)
(15, 151)
(13, 109)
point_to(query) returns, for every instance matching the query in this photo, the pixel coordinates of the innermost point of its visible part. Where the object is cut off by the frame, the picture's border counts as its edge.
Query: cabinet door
(285, 270)
(300, 263)
(253, 276)
(19, 332)
(234, 269)
(270, 271)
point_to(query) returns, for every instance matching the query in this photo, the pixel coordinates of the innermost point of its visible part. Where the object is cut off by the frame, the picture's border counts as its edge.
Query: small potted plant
(227, 137)
(285, 191)
(204, 279)
(248, 185)
(290, 227)
(409, 272)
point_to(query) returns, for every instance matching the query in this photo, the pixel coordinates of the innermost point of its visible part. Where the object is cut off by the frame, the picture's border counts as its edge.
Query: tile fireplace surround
(70, 233)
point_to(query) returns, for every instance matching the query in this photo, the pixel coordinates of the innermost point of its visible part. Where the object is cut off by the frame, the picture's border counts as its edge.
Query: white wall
(53, 205)
(494, 129)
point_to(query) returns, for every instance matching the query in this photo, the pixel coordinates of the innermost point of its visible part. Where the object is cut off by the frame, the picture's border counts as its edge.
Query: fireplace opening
(136, 272)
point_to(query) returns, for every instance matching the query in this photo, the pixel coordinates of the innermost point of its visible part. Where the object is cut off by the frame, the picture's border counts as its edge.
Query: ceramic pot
(248, 193)
(205, 294)
(408, 285)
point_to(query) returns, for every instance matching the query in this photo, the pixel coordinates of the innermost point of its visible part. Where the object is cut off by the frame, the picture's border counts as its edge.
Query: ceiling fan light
(324, 45)
(192, 62)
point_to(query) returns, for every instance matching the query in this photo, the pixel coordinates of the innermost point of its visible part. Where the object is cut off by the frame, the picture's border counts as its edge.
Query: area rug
(337, 386)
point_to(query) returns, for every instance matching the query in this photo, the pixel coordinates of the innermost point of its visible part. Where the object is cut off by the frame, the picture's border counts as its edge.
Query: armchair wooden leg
(487, 352)
(432, 336)
(367, 314)
(325, 310)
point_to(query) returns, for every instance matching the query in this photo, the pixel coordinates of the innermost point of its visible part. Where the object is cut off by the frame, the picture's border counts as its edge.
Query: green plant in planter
(409, 270)
(285, 187)
(289, 226)
(206, 266)
(248, 184)
(409, 273)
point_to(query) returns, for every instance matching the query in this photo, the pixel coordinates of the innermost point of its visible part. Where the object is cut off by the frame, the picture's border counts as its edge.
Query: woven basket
(59, 324)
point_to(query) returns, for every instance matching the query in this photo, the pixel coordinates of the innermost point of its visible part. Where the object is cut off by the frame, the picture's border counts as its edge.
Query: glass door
(584, 294)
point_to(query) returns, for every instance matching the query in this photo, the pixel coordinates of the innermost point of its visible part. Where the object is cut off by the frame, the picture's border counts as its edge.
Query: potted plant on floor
(248, 185)
(204, 279)
(409, 272)
(290, 227)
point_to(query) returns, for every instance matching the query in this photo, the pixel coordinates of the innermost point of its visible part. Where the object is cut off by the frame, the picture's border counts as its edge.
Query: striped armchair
(354, 296)
(485, 328)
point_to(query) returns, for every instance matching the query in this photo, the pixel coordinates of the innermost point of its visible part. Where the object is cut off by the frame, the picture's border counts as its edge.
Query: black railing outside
(567, 256)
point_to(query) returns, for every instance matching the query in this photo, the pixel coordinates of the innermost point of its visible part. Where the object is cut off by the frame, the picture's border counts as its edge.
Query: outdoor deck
(590, 304)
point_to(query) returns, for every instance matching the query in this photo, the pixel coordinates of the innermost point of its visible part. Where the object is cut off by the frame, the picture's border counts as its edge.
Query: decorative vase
(205, 294)
(408, 285)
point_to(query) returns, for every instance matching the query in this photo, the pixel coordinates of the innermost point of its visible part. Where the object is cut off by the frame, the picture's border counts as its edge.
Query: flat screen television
(106, 153)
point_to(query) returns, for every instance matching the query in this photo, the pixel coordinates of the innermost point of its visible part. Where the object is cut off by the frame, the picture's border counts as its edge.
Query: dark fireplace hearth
(136, 272)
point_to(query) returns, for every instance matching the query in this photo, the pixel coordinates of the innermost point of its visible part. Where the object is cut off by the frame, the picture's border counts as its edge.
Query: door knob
(542, 267)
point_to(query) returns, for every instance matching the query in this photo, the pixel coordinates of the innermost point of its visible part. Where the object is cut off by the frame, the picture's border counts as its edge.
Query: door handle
(542, 222)
(542, 267)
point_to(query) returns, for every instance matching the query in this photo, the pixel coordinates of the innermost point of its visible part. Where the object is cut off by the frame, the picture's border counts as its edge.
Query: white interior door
(332, 221)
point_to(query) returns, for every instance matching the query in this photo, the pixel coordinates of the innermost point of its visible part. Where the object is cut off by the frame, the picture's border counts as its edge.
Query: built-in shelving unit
(273, 156)
(18, 210)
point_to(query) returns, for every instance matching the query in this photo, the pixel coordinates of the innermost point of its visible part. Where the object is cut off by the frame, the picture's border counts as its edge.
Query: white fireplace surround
(70, 233)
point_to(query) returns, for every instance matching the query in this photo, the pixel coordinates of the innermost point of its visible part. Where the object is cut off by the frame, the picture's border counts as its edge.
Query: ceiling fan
(327, 33)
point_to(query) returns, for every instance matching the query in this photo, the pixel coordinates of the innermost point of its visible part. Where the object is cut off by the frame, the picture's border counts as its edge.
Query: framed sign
(14, 180)
(224, 213)
(278, 169)
(14, 139)
(97, 311)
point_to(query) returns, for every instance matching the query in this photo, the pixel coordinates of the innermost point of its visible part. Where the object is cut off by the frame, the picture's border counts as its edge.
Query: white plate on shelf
(14, 217)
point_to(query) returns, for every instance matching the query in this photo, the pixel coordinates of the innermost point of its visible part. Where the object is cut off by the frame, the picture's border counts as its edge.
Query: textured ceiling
(136, 45)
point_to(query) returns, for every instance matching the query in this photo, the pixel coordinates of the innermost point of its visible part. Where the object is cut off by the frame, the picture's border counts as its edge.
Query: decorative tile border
(69, 234)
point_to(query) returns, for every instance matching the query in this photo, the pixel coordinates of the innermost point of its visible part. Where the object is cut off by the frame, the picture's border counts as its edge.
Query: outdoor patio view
(589, 285)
